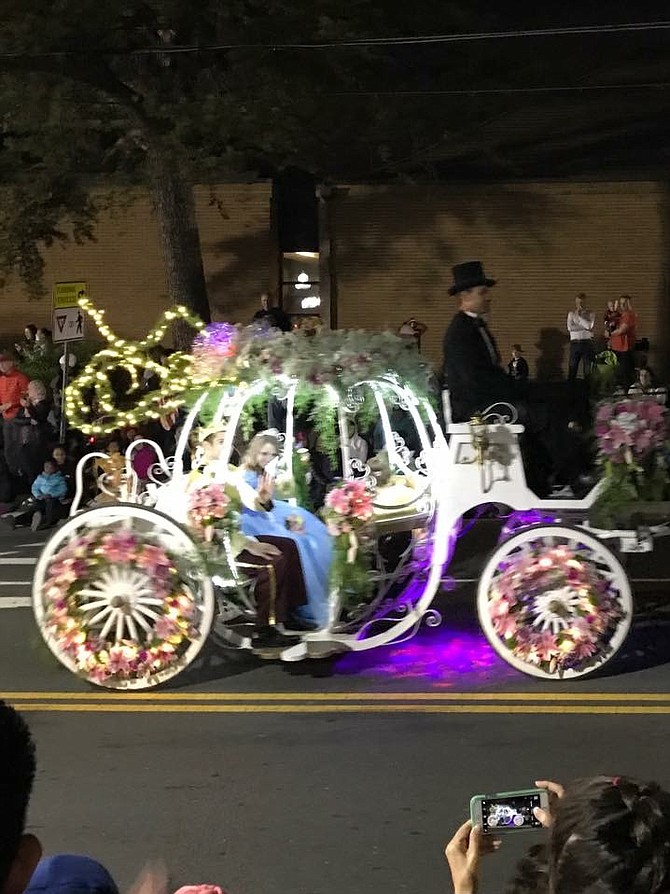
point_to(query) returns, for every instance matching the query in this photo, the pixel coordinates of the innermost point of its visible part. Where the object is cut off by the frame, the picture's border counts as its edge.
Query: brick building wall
(543, 241)
(124, 267)
(392, 252)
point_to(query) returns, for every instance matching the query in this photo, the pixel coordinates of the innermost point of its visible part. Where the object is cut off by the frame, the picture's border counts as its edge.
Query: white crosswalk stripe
(17, 564)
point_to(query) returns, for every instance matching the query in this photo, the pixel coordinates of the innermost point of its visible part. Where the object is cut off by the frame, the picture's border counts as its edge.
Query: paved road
(18, 555)
(321, 776)
(309, 804)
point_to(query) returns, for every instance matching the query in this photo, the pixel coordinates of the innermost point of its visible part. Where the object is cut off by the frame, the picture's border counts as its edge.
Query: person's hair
(250, 458)
(17, 771)
(45, 332)
(581, 296)
(610, 835)
(50, 461)
(38, 388)
(32, 328)
(517, 348)
(625, 301)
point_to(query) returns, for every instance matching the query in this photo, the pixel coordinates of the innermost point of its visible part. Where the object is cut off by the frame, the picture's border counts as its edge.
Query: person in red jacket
(13, 386)
(623, 342)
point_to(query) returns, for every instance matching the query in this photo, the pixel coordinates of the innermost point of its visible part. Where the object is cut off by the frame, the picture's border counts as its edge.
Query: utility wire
(165, 50)
(496, 91)
(493, 91)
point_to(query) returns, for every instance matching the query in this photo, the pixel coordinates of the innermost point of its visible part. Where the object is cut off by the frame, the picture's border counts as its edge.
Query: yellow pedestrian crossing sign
(67, 294)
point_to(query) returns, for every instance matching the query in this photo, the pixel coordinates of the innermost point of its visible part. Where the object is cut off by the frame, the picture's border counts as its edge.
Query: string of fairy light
(175, 376)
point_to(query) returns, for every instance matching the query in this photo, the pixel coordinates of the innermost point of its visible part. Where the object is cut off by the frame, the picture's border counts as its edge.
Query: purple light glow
(445, 658)
(524, 519)
(422, 559)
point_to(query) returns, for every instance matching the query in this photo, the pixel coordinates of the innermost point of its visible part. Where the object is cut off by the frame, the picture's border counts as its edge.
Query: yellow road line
(150, 695)
(339, 708)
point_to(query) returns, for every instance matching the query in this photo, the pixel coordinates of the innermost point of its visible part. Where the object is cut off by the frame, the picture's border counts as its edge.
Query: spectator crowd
(37, 467)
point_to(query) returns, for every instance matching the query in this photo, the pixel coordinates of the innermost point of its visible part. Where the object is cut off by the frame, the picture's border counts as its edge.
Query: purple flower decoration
(217, 338)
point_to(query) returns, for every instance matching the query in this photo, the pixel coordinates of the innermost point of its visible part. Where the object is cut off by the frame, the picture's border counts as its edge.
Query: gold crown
(207, 431)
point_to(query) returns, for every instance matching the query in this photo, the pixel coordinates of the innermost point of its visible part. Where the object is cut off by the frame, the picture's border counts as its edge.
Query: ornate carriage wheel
(122, 597)
(554, 602)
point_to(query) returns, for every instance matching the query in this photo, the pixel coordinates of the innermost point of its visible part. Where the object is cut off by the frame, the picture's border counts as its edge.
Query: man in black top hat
(472, 370)
(475, 380)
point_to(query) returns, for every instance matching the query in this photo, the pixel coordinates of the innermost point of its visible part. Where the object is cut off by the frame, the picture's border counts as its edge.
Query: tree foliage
(109, 96)
(95, 92)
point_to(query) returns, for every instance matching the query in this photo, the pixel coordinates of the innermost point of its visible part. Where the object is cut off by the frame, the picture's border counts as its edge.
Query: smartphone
(272, 467)
(508, 811)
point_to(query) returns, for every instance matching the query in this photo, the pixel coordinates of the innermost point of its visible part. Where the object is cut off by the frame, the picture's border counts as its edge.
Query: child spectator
(49, 490)
(66, 466)
(517, 368)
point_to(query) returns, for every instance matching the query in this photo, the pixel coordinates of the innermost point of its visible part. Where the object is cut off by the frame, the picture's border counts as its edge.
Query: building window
(300, 287)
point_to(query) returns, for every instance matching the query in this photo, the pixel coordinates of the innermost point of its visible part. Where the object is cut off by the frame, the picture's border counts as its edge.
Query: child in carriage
(272, 558)
(277, 517)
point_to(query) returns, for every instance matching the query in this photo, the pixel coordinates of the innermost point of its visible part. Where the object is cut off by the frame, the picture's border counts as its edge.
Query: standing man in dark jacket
(472, 370)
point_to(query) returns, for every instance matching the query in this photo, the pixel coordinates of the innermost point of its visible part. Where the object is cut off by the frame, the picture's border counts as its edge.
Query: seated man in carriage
(552, 414)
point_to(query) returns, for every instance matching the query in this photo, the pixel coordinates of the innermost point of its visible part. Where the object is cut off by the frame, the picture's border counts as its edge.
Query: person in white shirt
(580, 327)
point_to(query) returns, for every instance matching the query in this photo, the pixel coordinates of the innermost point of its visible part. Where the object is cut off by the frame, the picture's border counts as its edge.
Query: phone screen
(509, 814)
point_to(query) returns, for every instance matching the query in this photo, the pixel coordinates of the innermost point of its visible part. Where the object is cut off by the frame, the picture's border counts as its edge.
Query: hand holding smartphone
(506, 812)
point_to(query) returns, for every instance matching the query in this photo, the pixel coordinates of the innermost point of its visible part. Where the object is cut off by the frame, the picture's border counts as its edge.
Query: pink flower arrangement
(551, 608)
(207, 506)
(83, 561)
(631, 429)
(348, 507)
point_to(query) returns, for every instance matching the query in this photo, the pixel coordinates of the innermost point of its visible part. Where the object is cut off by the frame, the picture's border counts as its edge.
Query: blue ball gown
(315, 546)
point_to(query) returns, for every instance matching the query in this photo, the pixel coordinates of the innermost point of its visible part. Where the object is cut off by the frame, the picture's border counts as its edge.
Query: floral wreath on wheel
(552, 609)
(87, 616)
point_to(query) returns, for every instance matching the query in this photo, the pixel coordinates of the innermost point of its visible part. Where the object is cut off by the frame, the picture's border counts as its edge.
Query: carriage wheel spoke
(91, 606)
(136, 616)
(101, 614)
(132, 629)
(109, 623)
(150, 613)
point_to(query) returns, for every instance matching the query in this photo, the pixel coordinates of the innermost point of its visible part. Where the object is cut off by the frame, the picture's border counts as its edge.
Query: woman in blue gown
(315, 545)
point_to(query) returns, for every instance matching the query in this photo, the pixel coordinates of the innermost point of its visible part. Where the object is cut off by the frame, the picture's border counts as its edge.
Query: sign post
(67, 325)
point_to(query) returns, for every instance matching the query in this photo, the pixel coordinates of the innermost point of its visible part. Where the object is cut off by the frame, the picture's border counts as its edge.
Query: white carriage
(126, 597)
